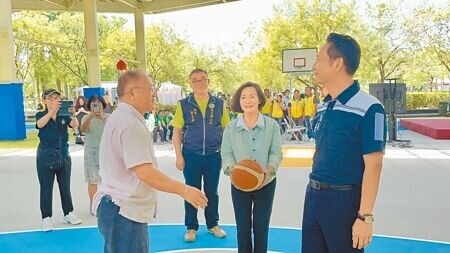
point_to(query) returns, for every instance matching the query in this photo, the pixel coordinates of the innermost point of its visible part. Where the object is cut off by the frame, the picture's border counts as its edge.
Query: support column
(139, 28)
(12, 121)
(91, 32)
(7, 64)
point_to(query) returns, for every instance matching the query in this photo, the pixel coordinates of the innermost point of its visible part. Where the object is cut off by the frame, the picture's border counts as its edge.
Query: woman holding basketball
(252, 136)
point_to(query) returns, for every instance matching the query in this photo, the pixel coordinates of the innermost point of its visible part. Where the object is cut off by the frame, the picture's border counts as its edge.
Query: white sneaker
(47, 224)
(71, 219)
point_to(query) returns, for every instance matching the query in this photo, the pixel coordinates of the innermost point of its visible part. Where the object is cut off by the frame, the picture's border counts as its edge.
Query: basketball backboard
(298, 60)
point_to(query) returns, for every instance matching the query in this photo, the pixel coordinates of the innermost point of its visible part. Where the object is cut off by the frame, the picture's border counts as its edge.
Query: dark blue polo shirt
(54, 135)
(345, 129)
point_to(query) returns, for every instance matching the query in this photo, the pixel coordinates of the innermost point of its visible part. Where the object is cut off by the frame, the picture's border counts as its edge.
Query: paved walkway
(413, 198)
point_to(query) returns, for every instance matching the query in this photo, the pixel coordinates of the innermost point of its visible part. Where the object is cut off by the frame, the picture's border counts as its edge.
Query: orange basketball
(247, 175)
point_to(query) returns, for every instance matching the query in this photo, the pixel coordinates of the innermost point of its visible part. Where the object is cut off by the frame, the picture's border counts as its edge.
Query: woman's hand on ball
(267, 175)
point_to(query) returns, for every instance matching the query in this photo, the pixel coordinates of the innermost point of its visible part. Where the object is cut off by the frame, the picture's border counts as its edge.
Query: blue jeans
(46, 178)
(253, 210)
(308, 125)
(328, 218)
(207, 167)
(121, 235)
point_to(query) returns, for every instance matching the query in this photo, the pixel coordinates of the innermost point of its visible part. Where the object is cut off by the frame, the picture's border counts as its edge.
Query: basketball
(247, 175)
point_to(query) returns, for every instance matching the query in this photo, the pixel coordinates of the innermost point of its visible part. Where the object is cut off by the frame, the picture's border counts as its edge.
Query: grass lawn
(32, 141)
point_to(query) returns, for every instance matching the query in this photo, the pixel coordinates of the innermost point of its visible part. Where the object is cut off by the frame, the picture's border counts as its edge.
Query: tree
(167, 54)
(384, 43)
(429, 29)
(422, 70)
(115, 43)
(298, 24)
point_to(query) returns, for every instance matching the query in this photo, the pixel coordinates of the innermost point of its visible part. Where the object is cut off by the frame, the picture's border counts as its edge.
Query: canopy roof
(114, 6)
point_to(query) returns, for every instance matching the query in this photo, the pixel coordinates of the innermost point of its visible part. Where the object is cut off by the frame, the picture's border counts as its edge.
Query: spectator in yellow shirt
(267, 108)
(277, 109)
(310, 111)
(297, 108)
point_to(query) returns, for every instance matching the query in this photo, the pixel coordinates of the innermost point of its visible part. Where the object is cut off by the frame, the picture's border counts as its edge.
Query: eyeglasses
(203, 80)
(150, 88)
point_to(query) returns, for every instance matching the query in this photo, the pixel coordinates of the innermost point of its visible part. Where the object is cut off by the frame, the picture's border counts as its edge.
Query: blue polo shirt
(54, 134)
(345, 129)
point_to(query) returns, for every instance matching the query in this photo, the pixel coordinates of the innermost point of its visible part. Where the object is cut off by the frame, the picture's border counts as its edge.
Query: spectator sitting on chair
(158, 128)
(168, 118)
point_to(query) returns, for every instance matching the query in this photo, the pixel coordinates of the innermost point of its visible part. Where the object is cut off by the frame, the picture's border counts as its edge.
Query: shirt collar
(131, 109)
(347, 94)
(241, 124)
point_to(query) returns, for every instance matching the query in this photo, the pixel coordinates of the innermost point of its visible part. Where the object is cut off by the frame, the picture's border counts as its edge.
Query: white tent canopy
(169, 93)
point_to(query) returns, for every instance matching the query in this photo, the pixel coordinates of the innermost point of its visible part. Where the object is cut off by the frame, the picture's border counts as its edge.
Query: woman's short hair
(236, 103)
(95, 98)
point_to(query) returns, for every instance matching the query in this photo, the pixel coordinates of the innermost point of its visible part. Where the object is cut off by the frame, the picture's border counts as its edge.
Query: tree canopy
(50, 46)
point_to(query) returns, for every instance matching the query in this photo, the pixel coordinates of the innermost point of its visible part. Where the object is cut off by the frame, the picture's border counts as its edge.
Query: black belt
(321, 186)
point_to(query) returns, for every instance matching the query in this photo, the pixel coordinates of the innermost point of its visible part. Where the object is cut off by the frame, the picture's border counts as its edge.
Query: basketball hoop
(299, 62)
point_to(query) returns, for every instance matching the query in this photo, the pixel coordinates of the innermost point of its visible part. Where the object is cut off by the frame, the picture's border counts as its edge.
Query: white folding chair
(302, 129)
(291, 132)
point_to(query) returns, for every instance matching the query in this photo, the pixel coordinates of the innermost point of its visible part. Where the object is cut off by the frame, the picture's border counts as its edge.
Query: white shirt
(150, 122)
(126, 143)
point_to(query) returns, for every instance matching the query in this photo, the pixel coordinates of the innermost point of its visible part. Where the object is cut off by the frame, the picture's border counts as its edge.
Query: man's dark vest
(202, 135)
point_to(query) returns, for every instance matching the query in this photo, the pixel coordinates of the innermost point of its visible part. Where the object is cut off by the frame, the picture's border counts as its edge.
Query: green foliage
(428, 29)
(172, 108)
(425, 100)
(296, 24)
(32, 141)
(51, 52)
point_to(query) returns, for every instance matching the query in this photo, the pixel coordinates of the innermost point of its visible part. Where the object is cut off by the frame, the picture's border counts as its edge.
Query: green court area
(31, 141)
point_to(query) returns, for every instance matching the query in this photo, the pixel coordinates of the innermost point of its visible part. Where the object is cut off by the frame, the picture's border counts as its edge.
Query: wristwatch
(367, 217)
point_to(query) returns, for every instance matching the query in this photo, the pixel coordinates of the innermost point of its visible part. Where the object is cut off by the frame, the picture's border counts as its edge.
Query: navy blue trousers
(253, 210)
(46, 180)
(204, 168)
(328, 218)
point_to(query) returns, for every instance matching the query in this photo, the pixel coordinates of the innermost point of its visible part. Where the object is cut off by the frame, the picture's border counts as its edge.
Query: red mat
(438, 129)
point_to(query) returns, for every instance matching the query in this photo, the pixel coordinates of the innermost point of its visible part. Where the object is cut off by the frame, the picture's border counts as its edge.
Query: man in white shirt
(126, 197)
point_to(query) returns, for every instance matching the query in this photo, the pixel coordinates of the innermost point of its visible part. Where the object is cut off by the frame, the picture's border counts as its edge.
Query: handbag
(52, 159)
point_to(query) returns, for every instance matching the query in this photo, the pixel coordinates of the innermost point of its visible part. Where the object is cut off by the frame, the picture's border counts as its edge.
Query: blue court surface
(169, 238)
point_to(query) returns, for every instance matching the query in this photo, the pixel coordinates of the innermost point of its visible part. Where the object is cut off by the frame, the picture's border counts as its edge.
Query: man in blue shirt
(350, 132)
